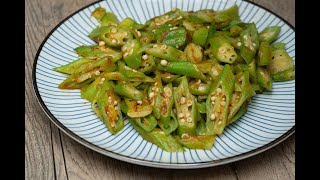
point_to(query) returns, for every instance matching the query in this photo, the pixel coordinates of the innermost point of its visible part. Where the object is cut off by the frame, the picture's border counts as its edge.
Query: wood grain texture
(50, 154)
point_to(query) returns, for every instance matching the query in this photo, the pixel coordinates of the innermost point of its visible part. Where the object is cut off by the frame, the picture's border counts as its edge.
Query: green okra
(264, 54)
(72, 66)
(130, 55)
(218, 101)
(285, 75)
(182, 68)
(129, 91)
(222, 49)
(165, 52)
(249, 43)
(196, 141)
(269, 33)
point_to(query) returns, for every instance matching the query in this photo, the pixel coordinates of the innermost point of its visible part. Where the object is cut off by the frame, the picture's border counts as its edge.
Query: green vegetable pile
(181, 77)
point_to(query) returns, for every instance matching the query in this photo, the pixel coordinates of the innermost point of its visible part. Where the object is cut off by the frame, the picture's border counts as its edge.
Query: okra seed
(139, 102)
(184, 136)
(189, 119)
(223, 99)
(177, 46)
(213, 98)
(116, 107)
(169, 24)
(239, 43)
(180, 115)
(113, 30)
(219, 122)
(114, 41)
(125, 33)
(212, 102)
(218, 90)
(167, 16)
(182, 100)
(187, 114)
(183, 120)
(212, 117)
(113, 125)
(245, 37)
(201, 88)
(101, 43)
(189, 103)
(125, 54)
(223, 103)
(145, 57)
(153, 30)
(208, 27)
(158, 24)
(97, 72)
(102, 79)
(151, 94)
(254, 44)
(155, 46)
(167, 91)
(163, 46)
(163, 62)
(115, 102)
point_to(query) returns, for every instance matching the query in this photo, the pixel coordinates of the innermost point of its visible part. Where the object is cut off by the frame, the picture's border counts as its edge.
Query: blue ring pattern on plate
(269, 120)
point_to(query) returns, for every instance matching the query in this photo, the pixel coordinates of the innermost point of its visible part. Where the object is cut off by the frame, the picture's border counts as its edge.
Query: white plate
(270, 118)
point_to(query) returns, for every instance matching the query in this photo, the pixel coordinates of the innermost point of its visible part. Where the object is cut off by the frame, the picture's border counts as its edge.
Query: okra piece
(130, 55)
(98, 52)
(105, 18)
(201, 127)
(235, 31)
(138, 108)
(94, 104)
(240, 94)
(269, 33)
(166, 142)
(175, 37)
(182, 68)
(147, 38)
(186, 109)
(72, 66)
(127, 23)
(168, 53)
(218, 102)
(249, 42)
(205, 66)
(193, 53)
(148, 64)
(157, 137)
(196, 141)
(215, 71)
(200, 36)
(264, 54)
(128, 91)
(285, 75)
(111, 35)
(243, 109)
(71, 83)
(264, 78)
(199, 88)
(148, 123)
(132, 73)
(172, 126)
(109, 106)
(168, 77)
(163, 104)
(155, 97)
(90, 92)
(280, 61)
(222, 49)
(223, 17)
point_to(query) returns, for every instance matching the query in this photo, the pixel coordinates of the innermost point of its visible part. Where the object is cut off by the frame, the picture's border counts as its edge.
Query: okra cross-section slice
(111, 35)
(155, 97)
(148, 123)
(109, 106)
(285, 75)
(269, 33)
(98, 52)
(218, 101)
(222, 49)
(193, 53)
(243, 109)
(148, 64)
(130, 73)
(184, 68)
(166, 98)
(105, 18)
(175, 37)
(71, 67)
(196, 141)
(138, 108)
(90, 92)
(249, 42)
(130, 55)
(186, 108)
(168, 53)
(242, 91)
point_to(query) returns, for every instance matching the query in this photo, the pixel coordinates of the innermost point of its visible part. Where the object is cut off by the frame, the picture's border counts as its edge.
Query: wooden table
(50, 154)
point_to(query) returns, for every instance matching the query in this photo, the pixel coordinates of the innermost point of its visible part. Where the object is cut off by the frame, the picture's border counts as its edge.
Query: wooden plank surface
(50, 154)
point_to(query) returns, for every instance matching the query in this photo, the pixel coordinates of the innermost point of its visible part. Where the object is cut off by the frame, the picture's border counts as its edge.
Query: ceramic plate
(270, 118)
